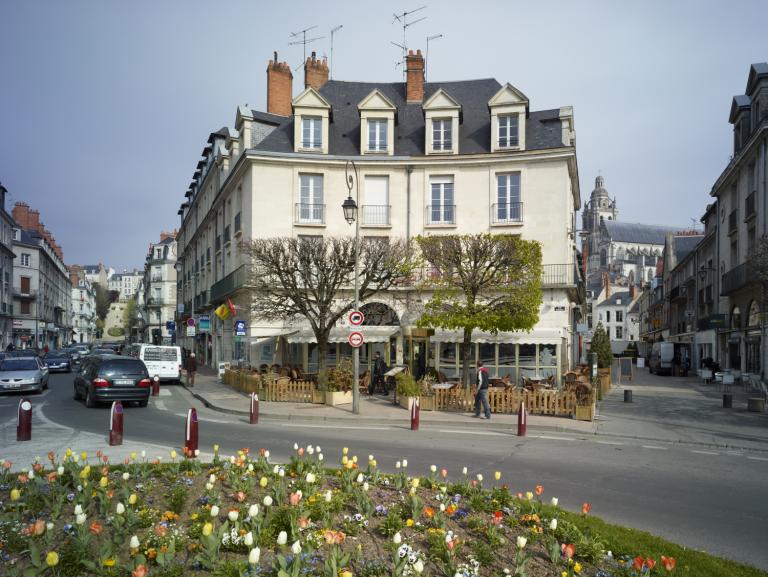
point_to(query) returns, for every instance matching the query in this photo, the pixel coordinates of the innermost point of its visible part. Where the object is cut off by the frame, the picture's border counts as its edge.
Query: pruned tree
(129, 316)
(102, 300)
(601, 344)
(313, 279)
(481, 281)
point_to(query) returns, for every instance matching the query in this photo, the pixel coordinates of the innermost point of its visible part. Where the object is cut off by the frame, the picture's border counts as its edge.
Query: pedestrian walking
(481, 397)
(191, 367)
(379, 368)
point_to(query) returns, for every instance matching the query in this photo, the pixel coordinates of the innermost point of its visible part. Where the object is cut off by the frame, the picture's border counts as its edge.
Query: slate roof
(543, 128)
(613, 300)
(684, 245)
(639, 233)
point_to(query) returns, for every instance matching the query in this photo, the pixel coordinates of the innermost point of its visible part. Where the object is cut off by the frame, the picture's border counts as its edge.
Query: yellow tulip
(69, 452)
(577, 568)
(103, 482)
(415, 482)
(497, 475)
(174, 454)
(350, 465)
(109, 562)
(345, 450)
(344, 460)
(354, 459)
(373, 463)
(52, 559)
(345, 573)
(216, 449)
(207, 529)
(133, 455)
(15, 494)
(84, 456)
(263, 482)
(529, 495)
(132, 499)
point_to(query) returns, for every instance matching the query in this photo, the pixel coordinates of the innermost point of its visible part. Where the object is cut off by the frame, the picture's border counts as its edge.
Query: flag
(231, 307)
(222, 312)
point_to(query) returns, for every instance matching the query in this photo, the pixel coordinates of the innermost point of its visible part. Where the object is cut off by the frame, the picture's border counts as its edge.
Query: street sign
(190, 322)
(204, 323)
(170, 325)
(191, 330)
(240, 328)
(356, 318)
(356, 339)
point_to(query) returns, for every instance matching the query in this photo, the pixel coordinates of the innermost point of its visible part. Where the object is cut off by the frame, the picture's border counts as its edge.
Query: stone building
(83, 318)
(159, 291)
(6, 272)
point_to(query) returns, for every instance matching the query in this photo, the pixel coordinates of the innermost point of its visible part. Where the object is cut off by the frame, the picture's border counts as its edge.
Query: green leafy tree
(601, 345)
(482, 281)
(102, 301)
(129, 316)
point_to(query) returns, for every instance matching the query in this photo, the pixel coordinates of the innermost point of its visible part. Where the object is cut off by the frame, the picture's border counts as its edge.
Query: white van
(163, 361)
(662, 358)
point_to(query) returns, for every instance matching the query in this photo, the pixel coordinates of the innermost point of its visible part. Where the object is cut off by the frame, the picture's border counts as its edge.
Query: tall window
(377, 135)
(508, 130)
(311, 135)
(442, 210)
(25, 259)
(311, 198)
(376, 207)
(619, 316)
(508, 207)
(607, 316)
(442, 137)
(619, 332)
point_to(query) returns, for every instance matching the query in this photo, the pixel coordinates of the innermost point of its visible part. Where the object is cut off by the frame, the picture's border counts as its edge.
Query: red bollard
(522, 419)
(415, 415)
(156, 386)
(116, 424)
(190, 437)
(254, 409)
(24, 421)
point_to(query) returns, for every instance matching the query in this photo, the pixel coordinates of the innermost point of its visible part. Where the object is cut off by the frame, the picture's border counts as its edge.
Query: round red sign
(356, 318)
(356, 339)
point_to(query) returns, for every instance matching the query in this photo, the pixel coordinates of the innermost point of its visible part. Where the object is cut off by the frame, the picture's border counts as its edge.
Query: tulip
(553, 524)
(528, 495)
(464, 471)
(15, 494)
(78, 509)
(360, 478)
(263, 482)
(60, 470)
(281, 472)
(310, 450)
(497, 475)
(585, 508)
(282, 538)
(52, 559)
(132, 499)
(233, 515)
(668, 562)
(405, 463)
(174, 454)
(248, 539)
(215, 448)
(80, 519)
(479, 477)
(134, 544)
(365, 486)
(120, 508)
(418, 566)
(354, 459)
(140, 571)
(397, 465)
(84, 456)
(126, 476)
(296, 548)
(320, 457)
(215, 511)
(267, 501)
(143, 454)
(103, 482)
(207, 529)
(539, 489)
(209, 486)
(254, 555)
(310, 478)
(133, 455)
(295, 446)
(433, 468)
(253, 511)
(554, 501)
(49, 526)
(212, 478)
(266, 454)
(345, 451)
(521, 542)
(328, 496)
(442, 507)
(397, 539)
(444, 473)
(415, 482)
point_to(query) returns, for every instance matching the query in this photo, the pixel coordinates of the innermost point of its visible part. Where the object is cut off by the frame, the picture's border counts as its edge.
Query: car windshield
(121, 367)
(18, 365)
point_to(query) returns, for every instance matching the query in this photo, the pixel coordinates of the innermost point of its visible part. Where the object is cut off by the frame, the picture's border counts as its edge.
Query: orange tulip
(51, 456)
(585, 508)
(140, 571)
(569, 550)
(539, 490)
(39, 527)
(444, 473)
(638, 563)
(429, 512)
(668, 562)
(95, 528)
(294, 499)
(651, 563)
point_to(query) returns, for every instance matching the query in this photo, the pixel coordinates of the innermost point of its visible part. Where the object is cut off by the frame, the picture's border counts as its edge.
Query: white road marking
(334, 427)
(757, 458)
(735, 453)
(549, 438)
(608, 443)
(705, 452)
(165, 393)
(160, 405)
(655, 447)
(468, 432)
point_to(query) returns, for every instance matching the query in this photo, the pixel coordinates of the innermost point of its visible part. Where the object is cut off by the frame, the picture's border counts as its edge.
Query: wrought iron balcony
(735, 279)
(506, 213)
(555, 275)
(309, 213)
(228, 285)
(441, 214)
(27, 294)
(376, 215)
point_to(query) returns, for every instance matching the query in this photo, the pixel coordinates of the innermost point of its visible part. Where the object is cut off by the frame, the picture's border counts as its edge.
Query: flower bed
(244, 515)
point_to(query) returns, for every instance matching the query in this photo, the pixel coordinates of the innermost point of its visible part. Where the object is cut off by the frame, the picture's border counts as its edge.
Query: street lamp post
(350, 215)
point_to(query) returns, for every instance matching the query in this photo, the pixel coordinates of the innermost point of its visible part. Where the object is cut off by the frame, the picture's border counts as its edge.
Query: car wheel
(45, 385)
(77, 396)
(144, 403)
(90, 402)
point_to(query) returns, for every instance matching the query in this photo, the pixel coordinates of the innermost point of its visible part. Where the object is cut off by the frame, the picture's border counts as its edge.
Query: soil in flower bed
(243, 515)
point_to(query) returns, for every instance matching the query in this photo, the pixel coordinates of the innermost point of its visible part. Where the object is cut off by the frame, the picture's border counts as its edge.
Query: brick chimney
(33, 221)
(632, 292)
(315, 72)
(414, 83)
(279, 88)
(20, 214)
(164, 235)
(607, 284)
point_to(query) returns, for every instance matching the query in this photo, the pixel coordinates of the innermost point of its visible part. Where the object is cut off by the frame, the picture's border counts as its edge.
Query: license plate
(12, 385)
(123, 381)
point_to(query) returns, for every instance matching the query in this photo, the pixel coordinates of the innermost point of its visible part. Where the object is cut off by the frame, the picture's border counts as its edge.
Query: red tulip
(140, 571)
(585, 508)
(638, 563)
(539, 490)
(443, 473)
(651, 563)
(668, 562)
(568, 550)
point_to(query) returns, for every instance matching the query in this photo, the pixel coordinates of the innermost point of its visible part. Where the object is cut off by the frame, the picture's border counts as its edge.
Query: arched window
(753, 319)
(735, 318)
(603, 258)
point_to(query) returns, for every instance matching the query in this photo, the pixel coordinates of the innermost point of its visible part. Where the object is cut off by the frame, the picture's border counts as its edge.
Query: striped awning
(340, 335)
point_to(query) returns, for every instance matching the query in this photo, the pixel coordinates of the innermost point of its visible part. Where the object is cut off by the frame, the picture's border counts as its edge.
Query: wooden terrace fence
(542, 402)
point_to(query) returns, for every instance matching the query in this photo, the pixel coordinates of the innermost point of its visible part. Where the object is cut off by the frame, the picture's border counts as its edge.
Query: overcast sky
(105, 106)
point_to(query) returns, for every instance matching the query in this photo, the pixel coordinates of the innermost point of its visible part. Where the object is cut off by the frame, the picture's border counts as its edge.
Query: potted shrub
(427, 393)
(601, 345)
(339, 384)
(585, 402)
(407, 389)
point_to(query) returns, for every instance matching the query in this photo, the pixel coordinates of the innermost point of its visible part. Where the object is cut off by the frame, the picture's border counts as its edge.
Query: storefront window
(507, 361)
(448, 359)
(753, 355)
(488, 355)
(472, 357)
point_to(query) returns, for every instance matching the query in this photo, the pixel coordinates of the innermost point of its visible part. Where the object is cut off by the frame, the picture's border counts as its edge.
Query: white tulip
(266, 454)
(31, 473)
(267, 501)
(320, 457)
(397, 539)
(360, 478)
(295, 446)
(250, 467)
(197, 452)
(134, 542)
(370, 457)
(282, 538)
(328, 496)
(253, 511)
(553, 524)
(310, 478)
(397, 465)
(405, 463)
(281, 472)
(212, 478)
(418, 566)
(299, 493)
(275, 469)
(60, 470)
(233, 515)
(310, 450)
(464, 471)
(254, 555)
(433, 468)
(209, 486)
(120, 508)
(479, 478)
(554, 501)
(126, 476)
(318, 449)
(78, 509)
(49, 526)
(215, 511)
(365, 486)
(80, 519)
(442, 507)
(521, 542)
(248, 539)
(296, 548)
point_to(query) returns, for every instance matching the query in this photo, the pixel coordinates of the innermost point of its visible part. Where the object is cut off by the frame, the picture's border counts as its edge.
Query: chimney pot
(279, 88)
(315, 72)
(414, 83)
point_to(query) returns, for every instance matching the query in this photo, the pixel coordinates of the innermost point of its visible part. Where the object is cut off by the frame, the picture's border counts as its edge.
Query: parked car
(662, 358)
(112, 378)
(101, 352)
(58, 361)
(23, 374)
(161, 361)
(74, 355)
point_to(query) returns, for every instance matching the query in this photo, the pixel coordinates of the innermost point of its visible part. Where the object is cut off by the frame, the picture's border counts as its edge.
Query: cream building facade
(157, 303)
(437, 158)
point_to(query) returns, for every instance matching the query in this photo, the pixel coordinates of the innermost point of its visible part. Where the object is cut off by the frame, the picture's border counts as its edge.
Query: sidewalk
(374, 411)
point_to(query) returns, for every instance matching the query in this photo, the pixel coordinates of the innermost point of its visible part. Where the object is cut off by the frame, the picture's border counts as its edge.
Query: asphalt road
(712, 500)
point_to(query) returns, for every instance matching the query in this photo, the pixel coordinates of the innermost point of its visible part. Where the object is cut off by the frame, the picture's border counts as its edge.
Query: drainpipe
(408, 171)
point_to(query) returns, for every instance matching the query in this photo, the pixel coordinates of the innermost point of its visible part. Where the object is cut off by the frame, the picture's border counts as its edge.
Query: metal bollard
(24, 421)
(415, 414)
(156, 386)
(522, 420)
(190, 436)
(627, 395)
(116, 424)
(254, 409)
(727, 400)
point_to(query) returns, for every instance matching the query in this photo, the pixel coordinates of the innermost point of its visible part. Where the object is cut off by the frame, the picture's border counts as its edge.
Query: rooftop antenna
(304, 40)
(333, 31)
(403, 19)
(426, 56)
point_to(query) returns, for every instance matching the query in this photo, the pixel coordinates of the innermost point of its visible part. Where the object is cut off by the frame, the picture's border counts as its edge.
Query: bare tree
(757, 262)
(313, 278)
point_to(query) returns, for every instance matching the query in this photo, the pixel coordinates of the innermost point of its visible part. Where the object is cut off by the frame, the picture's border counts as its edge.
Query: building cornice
(739, 159)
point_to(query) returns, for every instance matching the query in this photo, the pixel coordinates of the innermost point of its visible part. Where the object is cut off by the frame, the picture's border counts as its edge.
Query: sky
(106, 105)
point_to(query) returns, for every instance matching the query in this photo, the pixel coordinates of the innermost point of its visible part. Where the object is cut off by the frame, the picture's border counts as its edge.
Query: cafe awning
(542, 336)
(260, 335)
(340, 335)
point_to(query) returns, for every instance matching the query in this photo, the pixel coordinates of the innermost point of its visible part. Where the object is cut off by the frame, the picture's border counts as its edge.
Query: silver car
(23, 374)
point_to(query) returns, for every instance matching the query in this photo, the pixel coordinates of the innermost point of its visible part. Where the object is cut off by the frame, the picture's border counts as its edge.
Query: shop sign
(204, 323)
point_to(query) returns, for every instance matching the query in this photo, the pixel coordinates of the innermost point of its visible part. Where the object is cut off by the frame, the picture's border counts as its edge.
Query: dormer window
(508, 130)
(377, 134)
(442, 117)
(311, 132)
(377, 124)
(442, 134)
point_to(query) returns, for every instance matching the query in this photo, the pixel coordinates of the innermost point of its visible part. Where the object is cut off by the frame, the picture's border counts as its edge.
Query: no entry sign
(356, 339)
(356, 318)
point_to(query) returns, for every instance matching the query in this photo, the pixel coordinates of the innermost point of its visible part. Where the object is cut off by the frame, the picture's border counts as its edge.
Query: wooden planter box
(425, 403)
(605, 381)
(334, 398)
(585, 412)
(318, 397)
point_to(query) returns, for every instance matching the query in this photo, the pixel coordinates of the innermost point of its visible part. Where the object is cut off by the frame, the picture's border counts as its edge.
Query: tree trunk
(465, 357)
(322, 353)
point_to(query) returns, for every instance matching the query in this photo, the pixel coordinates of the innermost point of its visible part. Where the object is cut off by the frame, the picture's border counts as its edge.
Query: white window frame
(311, 132)
(509, 204)
(311, 201)
(442, 201)
(505, 126)
(377, 135)
(440, 128)
(26, 259)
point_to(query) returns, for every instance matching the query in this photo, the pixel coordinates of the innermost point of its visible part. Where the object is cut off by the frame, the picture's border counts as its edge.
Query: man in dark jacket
(483, 382)
(379, 368)
(191, 367)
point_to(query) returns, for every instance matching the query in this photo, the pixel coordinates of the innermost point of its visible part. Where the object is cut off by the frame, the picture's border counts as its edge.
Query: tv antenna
(426, 56)
(403, 19)
(304, 40)
(333, 31)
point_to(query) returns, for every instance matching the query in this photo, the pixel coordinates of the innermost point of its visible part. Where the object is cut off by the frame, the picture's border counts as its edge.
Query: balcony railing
(25, 294)
(507, 212)
(228, 285)
(736, 278)
(558, 275)
(749, 206)
(733, 221)
(157, 301)
(237, 223)
(309, 213)
(157, 278)
(438, 214)
(376, 215)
